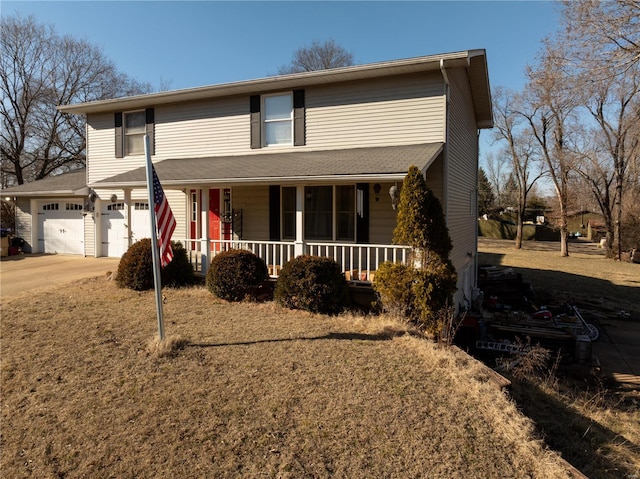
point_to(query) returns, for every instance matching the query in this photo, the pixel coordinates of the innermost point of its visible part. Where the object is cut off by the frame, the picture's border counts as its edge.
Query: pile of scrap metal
(502, 321)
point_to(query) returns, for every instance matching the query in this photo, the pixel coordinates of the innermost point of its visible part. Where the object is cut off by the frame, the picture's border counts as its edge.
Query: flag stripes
(165, 221)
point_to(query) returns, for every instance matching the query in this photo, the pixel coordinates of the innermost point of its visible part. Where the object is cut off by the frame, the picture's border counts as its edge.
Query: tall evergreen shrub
(422, 226)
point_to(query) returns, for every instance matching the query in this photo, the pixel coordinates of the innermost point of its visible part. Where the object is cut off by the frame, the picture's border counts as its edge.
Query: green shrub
(180, 271)
(417, 294)
(236, 274)
(392, 284)
(135, 270)
(433, 288)
(314, 284)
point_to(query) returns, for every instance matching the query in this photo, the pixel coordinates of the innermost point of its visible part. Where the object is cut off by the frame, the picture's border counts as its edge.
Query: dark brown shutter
(274, 212)
(254, 109)
(150, 129)
(362, 220)
(298, 118)
(117, 120)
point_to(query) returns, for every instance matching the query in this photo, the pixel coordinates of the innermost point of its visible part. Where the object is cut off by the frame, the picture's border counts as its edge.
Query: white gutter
(168, 184)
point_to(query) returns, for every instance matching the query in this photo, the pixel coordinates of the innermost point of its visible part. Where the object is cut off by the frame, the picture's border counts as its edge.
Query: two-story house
(303, 163)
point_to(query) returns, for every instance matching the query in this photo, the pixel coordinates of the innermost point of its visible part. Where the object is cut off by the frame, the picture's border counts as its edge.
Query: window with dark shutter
(119, 138)
(130, 128)
(273, 122)
(298, 118)
(254, 109)
(150, 129)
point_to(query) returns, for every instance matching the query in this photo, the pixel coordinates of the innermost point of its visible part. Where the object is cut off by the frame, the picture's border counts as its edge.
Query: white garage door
(140, 220)
(115, 235)
(61, 227)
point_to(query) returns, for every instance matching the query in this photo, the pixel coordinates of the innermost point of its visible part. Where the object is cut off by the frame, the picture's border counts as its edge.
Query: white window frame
(127, 133)
(265, 122)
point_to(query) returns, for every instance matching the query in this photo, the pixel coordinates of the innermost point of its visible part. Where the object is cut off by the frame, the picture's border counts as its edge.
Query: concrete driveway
(27, 272)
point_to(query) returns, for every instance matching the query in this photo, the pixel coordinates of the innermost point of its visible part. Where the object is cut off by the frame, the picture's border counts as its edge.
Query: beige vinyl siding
(23, 222)
(194, 130)
(254, 203)
(102, 153)
(389, 111)
(462, 166)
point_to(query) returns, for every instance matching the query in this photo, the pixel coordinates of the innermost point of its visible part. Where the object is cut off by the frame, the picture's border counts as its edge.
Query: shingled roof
(357, 164)
(73, 183)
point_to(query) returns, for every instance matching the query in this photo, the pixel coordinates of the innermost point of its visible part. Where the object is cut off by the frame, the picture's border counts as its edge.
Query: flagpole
(155, 253)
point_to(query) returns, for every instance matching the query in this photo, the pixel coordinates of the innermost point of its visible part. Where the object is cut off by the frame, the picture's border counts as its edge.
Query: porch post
(35, 234)
(204, 211)
(299, 244)
(127, 204)
(97, 226)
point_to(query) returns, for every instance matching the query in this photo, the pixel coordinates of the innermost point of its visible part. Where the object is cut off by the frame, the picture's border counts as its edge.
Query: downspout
(445, 155)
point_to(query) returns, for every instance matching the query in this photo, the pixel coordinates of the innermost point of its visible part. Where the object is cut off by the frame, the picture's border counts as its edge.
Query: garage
(61, 227)
(140, 220)
(115, 233)
(115, 227)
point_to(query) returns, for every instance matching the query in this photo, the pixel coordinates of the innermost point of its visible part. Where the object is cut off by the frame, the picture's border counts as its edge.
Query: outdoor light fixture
(114, 198)
(395, 196)
(376, 190)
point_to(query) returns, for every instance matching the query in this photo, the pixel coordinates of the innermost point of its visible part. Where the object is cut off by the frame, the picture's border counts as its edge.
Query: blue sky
(189, 44)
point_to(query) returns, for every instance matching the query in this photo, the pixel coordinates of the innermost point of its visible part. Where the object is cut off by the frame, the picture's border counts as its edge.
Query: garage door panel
(114, 230)
(140, 221)
(61, 227)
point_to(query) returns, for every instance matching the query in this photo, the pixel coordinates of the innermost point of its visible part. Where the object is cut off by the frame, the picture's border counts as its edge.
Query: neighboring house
(284, 165)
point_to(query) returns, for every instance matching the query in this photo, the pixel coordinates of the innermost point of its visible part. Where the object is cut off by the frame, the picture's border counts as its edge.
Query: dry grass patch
(252, 390)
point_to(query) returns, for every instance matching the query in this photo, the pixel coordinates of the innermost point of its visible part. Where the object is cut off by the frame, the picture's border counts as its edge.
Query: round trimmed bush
(235, 274)
(135, 270)
(314, 284)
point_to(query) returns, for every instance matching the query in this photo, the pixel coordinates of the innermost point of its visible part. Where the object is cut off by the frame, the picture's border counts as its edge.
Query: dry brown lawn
(252, 391)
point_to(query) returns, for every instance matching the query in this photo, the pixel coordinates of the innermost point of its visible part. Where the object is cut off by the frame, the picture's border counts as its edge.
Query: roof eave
(358, 72)
(179, 184)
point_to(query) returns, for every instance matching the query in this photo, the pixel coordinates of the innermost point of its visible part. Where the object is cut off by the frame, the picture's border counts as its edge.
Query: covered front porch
(339, 204)
(358, 262)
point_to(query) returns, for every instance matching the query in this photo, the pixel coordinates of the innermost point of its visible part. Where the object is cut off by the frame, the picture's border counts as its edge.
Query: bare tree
(519, 147)
(605, 33)
(40, 70)
(497, 173)
(612, 147)
(552, 102)
(318, 56)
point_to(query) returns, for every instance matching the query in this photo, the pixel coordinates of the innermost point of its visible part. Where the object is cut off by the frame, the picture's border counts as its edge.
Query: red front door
(214, 217)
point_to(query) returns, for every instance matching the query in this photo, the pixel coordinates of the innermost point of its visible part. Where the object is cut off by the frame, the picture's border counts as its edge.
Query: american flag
(165, 222)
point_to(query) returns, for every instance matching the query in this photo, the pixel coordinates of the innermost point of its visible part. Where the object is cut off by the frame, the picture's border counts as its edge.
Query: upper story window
(130, 128)
(278, 120)
(134, 130)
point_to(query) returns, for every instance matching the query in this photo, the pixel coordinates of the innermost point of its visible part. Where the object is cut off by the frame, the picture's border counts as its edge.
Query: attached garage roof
(73, 183)
(358, 164)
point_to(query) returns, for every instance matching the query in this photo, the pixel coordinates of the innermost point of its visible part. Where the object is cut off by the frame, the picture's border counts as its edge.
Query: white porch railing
(358, 262)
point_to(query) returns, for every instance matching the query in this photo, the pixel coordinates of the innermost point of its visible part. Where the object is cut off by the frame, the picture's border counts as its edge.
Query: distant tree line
(577, 122)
